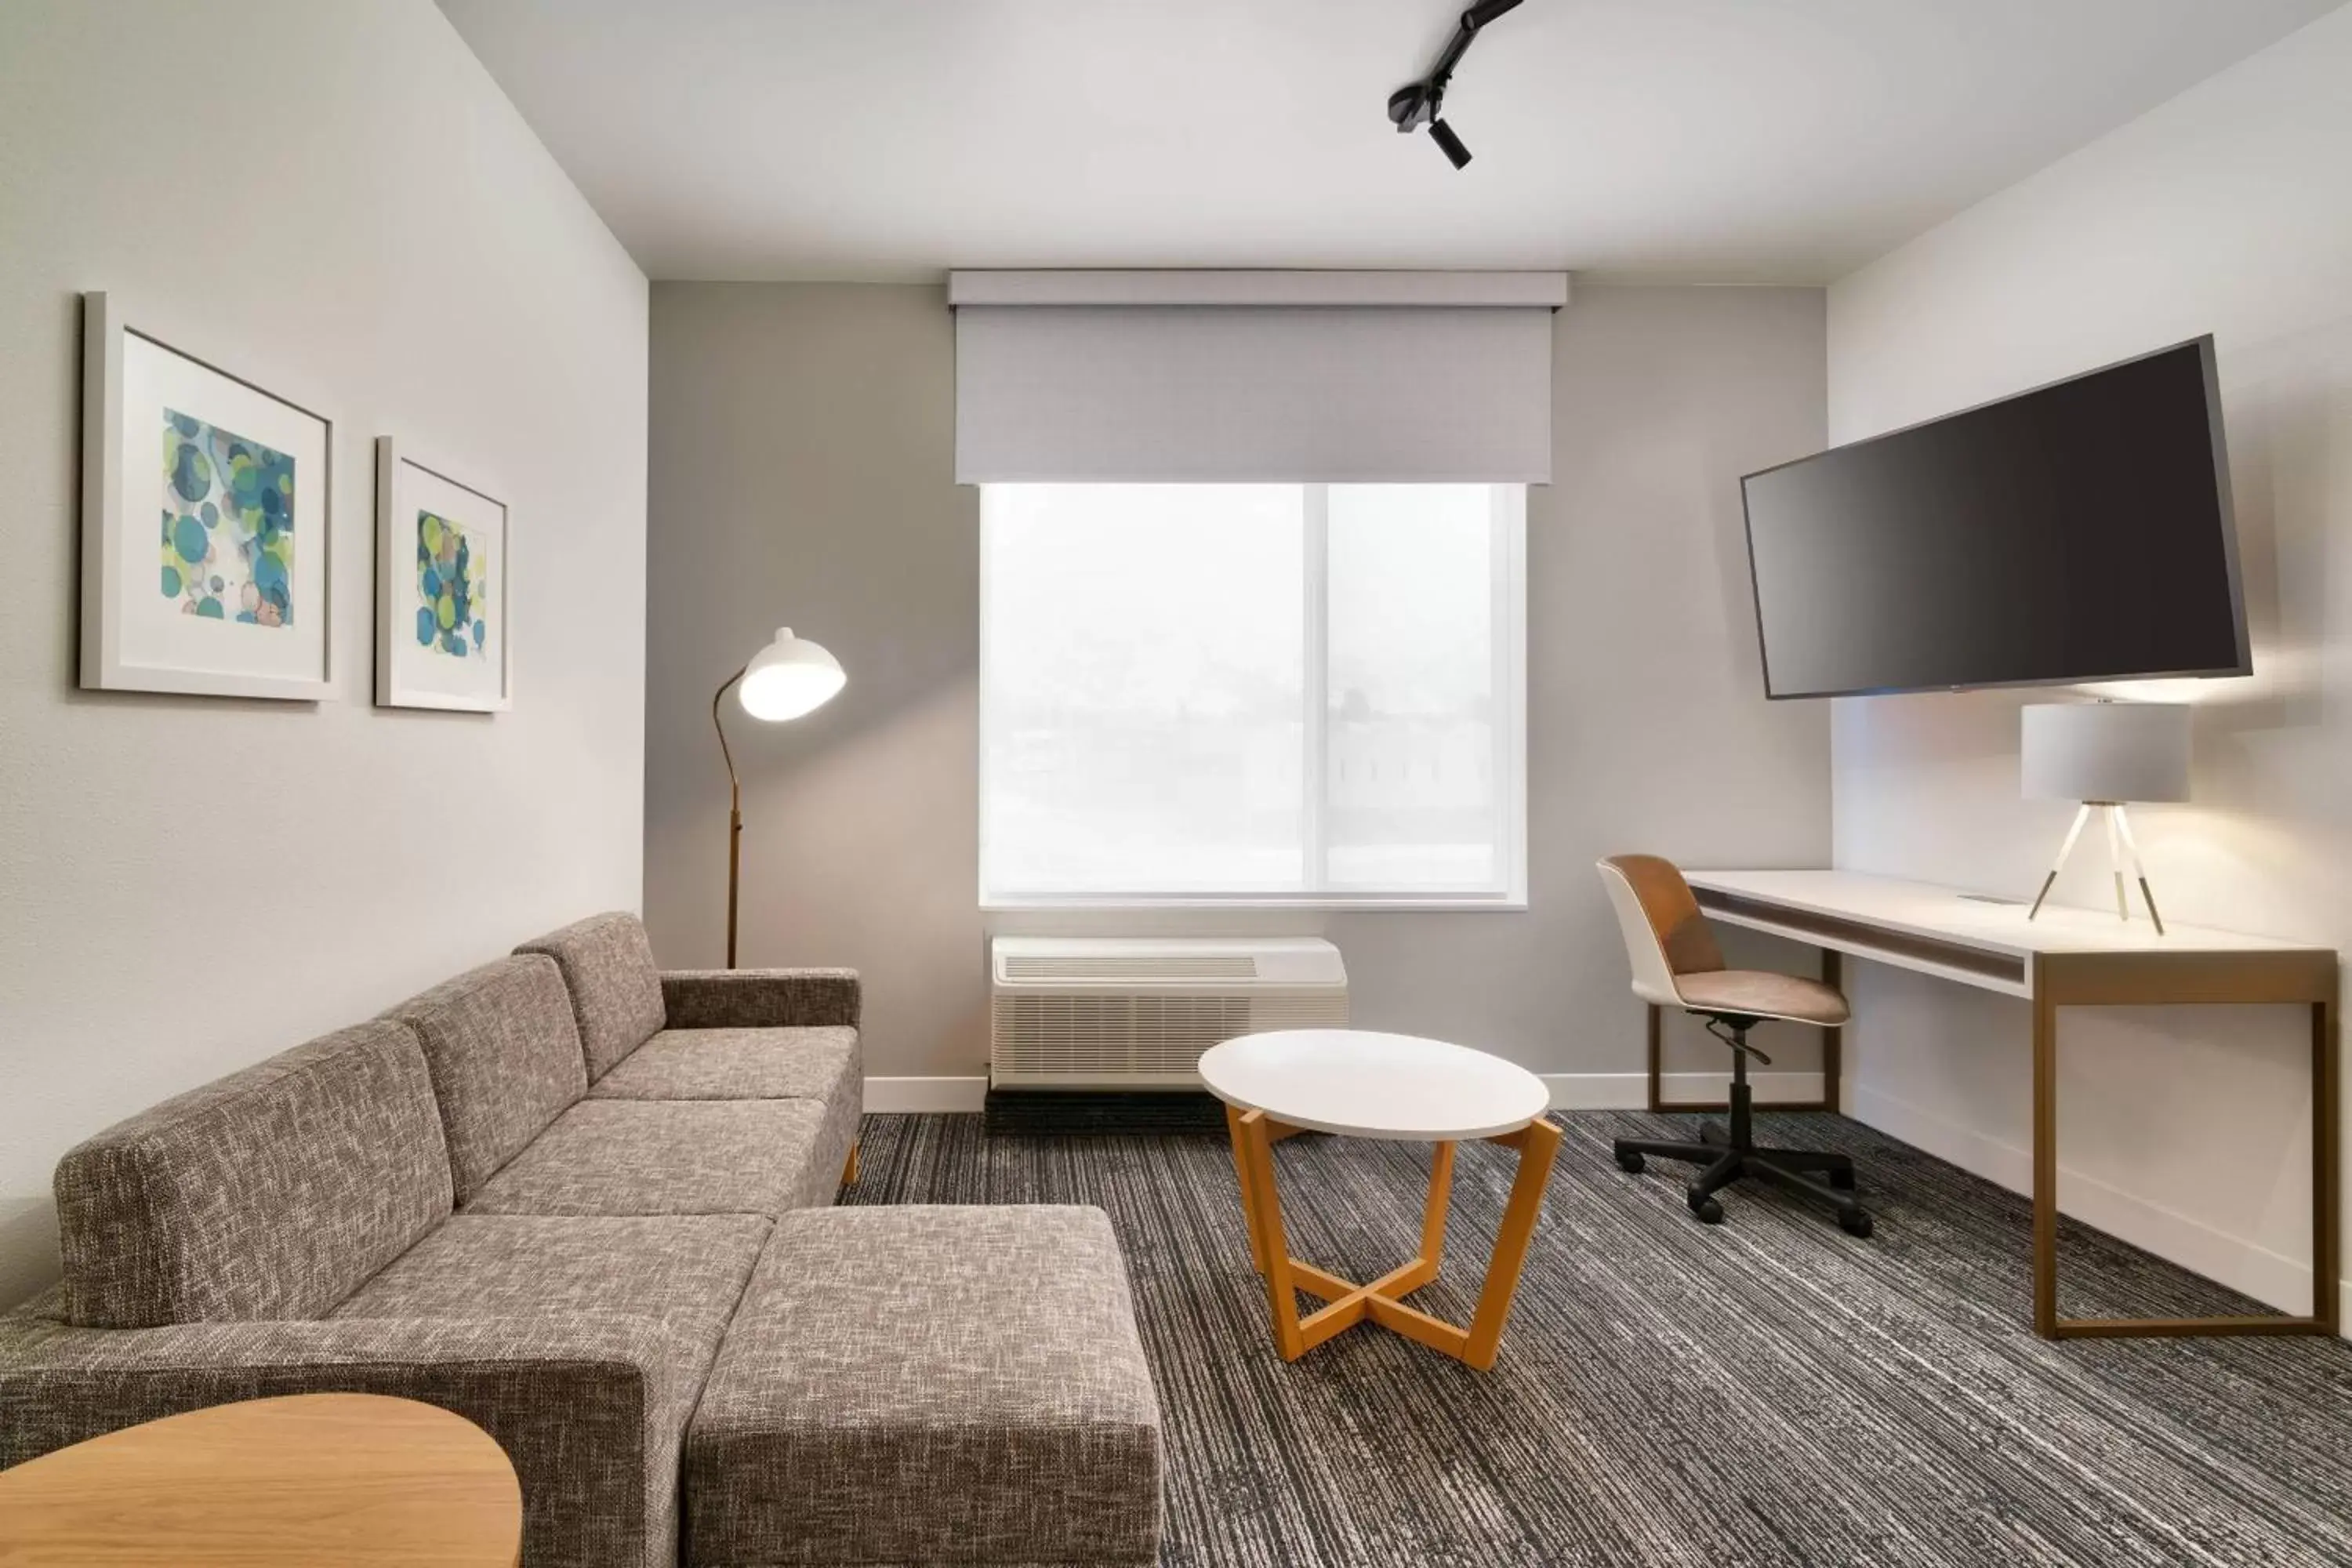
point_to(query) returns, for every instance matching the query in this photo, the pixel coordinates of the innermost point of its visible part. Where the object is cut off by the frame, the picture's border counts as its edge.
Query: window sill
(1137, 904)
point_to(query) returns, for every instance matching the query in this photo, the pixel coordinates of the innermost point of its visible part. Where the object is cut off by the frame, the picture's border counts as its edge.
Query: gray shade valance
(1329, 377)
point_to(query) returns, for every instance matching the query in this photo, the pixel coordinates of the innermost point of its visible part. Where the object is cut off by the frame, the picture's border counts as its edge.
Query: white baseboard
(2245, 1266)
(1631, 1090)
(895, 1094)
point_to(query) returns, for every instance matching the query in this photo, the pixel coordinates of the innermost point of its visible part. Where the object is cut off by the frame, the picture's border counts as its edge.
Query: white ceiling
(1718, 139)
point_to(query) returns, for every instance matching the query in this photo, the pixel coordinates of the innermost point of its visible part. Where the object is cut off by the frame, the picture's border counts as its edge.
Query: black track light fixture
(1419, 103)
(1449, 143)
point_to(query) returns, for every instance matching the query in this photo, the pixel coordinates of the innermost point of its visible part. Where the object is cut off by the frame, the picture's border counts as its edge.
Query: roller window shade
(1215, 378)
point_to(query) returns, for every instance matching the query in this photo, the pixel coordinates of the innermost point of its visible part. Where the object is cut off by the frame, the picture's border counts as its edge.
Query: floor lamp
(2104, 754)
(790, 677)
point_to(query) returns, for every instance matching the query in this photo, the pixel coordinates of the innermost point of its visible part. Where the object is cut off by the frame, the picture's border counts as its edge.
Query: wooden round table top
(348, 1478)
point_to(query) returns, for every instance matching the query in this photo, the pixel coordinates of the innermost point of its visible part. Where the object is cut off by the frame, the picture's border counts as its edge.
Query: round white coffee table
(1364, 1085)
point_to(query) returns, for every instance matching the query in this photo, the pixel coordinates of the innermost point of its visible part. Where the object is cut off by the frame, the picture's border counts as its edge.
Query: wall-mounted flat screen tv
(2079, 531)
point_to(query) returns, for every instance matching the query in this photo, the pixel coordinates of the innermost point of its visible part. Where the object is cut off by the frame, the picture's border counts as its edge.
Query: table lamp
(790, 677)
(2104, 754)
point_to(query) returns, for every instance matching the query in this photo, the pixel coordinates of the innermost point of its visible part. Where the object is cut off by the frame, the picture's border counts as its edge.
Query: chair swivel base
(1727, 1159)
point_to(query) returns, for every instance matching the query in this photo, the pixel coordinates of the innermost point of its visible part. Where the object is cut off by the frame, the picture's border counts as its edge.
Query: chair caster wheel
(1708, 1211)
(1632, 1163)
(1841, 1180)
(1853, 1222)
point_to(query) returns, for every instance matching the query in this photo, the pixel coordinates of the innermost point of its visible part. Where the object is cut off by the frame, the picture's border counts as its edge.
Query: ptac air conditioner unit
(1130, 1013)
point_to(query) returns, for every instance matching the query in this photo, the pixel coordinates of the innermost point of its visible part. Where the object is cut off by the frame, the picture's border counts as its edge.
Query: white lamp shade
(2105, 751)
(790, 677)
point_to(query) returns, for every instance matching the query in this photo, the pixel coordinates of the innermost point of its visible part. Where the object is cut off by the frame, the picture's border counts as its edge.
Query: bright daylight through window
(1269, 694)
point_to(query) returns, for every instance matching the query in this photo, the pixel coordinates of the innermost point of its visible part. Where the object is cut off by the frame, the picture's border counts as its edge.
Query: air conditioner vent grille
(1153, 1038)
(1136, 1012)
(1137, 967)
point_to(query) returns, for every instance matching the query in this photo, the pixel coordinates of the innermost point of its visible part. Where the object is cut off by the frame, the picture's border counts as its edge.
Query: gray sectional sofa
(586, 1205)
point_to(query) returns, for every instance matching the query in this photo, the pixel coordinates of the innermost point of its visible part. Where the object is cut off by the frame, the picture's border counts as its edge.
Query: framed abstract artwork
(204, 543)
(444, 550)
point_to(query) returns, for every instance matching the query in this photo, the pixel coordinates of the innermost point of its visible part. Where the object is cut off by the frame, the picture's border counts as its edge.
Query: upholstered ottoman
(926, 1384)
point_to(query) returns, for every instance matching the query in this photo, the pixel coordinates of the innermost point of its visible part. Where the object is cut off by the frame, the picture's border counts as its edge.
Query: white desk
(2066, 957)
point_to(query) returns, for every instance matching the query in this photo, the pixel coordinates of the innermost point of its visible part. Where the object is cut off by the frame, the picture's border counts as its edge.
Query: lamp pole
(790, 677)
(734, 813)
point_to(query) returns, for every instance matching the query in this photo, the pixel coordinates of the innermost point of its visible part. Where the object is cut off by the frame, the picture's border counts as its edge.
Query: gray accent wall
(801, 467)
(803, 461)
(335, 200)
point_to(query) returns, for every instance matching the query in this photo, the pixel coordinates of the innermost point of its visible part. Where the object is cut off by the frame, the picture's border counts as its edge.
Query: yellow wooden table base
(1346, 1304)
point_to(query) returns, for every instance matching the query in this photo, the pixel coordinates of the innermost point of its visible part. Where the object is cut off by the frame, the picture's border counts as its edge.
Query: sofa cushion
(738, 1063)
(687, 1271)
(930, 1384)
(672, 1157)
(616, 994)
(273, 1192)
(505, 1058)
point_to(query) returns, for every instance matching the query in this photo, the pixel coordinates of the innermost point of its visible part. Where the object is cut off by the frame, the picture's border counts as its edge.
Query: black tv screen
(2079, 531)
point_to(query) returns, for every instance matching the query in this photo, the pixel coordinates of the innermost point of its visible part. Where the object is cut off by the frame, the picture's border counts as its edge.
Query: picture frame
(445, 553)
(240, 603)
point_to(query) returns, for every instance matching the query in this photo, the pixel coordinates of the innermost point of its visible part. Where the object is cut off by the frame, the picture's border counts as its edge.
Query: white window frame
(1508, 548)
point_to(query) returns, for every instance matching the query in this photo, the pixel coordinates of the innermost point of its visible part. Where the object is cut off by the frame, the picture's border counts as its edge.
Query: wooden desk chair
(1676, 963)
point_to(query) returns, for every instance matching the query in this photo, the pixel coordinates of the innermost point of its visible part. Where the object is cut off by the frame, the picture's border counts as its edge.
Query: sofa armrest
(592, 1411)
(761, 998)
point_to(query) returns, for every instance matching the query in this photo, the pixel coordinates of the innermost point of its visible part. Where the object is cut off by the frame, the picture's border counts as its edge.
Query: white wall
(335, 199)
(802, 472)
(2228, 210)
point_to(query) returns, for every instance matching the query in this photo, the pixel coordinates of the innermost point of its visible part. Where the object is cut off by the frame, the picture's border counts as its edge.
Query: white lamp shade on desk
(2105, 751)
(790, 677)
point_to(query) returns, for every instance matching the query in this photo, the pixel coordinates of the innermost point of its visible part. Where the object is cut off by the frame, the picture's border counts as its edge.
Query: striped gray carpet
(1768, 1391)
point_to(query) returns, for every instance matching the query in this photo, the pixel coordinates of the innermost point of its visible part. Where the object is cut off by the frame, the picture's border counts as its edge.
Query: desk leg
(2046, 1156)
(2327, 1134)
(1834, 1037)
(2256, 981)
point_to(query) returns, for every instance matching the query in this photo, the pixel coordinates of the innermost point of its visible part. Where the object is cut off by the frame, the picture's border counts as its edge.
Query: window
(1252, 693)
